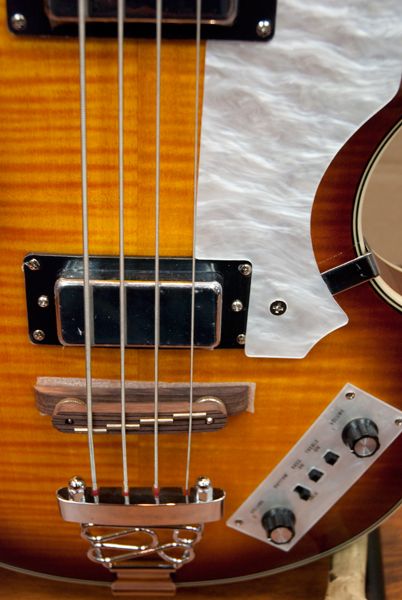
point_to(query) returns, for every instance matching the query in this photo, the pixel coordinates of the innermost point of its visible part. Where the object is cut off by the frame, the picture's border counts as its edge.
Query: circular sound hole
(378, 216)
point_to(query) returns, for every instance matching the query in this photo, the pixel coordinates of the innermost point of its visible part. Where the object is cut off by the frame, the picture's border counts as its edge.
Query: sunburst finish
(41, 212)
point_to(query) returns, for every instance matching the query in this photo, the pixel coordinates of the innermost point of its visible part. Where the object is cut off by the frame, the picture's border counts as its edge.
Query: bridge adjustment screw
(18, 22)
(33, 264)
(76, 489)
(237, 305)
(245, 269)
(204, 490)
(264, 28)
(43, 301)
(278, 307)
(38, 335)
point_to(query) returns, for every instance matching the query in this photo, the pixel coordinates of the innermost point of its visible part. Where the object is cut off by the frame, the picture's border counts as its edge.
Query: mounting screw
(43, 301)
(241, 339)
(350, 395)
(33, 264)
(278, 307)
(209, 420)
(38, 335)
(239, 522)
(237, 305)
(245, 269)
(18, 22)
(264, 29)
(398, 422)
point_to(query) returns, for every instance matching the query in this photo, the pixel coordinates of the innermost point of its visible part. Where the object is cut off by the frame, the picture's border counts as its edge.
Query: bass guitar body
(41, 215)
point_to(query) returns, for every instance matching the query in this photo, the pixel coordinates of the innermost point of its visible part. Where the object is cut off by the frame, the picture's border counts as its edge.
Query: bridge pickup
(55, 301)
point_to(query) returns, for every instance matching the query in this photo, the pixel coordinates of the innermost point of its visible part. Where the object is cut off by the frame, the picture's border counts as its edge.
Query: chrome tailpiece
(143, 541)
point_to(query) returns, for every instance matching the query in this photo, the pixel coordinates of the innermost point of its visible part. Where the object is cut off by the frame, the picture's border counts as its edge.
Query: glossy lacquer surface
(41, 212)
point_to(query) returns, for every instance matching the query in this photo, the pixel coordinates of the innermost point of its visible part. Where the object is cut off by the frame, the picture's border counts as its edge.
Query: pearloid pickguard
(274, 116)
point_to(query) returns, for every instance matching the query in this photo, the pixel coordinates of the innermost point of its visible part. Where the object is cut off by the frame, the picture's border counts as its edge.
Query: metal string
(122, 277)
(88, 308)
(157, 270)
(193, 260)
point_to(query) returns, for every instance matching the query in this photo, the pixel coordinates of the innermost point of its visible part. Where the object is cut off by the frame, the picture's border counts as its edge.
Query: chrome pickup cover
(54, 290)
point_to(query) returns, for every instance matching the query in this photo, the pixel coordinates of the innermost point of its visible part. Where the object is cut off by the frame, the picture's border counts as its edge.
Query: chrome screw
(264, 29)
(239, 522)
(204, 490)
(245, 269)
(38, 335)
(18, 22)
(43, 301)
(350, 395)
(76, 489)
(33, 264)
(241, 339)
(237, 305)
(209, 420)
(278, 307)
(398, 422)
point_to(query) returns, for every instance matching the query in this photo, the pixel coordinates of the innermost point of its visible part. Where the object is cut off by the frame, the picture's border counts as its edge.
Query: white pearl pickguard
(274, 116)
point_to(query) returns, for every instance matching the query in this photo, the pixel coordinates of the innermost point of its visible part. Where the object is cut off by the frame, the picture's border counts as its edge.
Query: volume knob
(279, 525)
(361, 436)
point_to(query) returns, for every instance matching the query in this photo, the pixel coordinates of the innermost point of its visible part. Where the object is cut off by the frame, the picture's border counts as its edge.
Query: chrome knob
(361, 436)
(279, 525)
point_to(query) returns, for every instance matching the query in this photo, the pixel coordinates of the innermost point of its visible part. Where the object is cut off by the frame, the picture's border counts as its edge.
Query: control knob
(279, 525)
(361, 436)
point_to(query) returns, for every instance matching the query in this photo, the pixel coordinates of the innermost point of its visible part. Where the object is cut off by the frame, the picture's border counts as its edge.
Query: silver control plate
(325, 435)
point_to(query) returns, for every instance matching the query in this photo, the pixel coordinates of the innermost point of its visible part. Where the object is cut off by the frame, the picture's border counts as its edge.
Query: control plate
(320, 468)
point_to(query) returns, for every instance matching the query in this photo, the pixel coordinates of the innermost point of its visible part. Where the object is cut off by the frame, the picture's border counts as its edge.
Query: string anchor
(146, 541)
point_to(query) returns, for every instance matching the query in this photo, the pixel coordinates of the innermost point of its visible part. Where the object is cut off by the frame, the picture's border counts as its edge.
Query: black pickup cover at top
(244, 27)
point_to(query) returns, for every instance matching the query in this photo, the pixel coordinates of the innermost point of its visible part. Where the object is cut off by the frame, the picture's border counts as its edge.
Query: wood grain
(41, 212)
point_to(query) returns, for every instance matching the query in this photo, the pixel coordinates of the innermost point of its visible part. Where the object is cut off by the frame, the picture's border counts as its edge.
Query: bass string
(194, 244)
(88, 299)
(157, 266)
(122, 275)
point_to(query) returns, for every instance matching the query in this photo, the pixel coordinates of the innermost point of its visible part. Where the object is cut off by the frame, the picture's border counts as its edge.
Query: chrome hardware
(62, 279)
(175, 552)
(76, 489)
(241, 339)
(33, 264)
(245, 269)
(278, 307)
(237, 305)
(264, 29)
(43, 301)
(172, 509)
(142, 556)
(350, 274)
(204, 490)
(18, 22)
(38, 335)
(320, 468)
